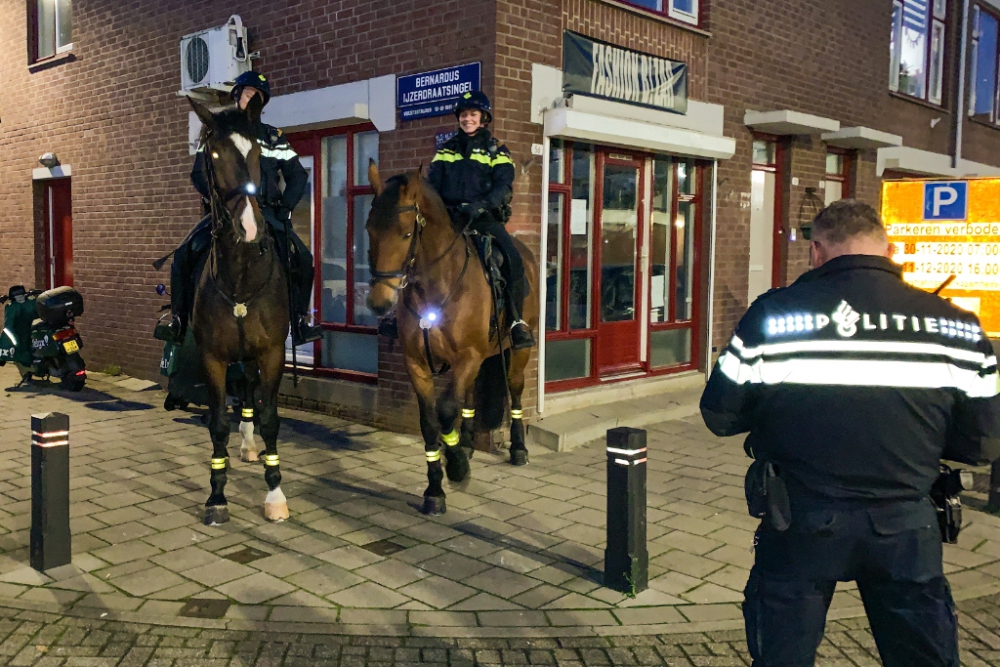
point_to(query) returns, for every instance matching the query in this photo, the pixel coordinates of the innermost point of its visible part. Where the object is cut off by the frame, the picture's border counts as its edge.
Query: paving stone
(437, 592)
(454, 566)
(255, 589)
(350, 557)
(324, 579)
(392, 573)
(368, 595)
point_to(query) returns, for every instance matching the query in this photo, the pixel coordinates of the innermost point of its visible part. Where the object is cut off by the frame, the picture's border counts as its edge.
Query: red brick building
(667, 154)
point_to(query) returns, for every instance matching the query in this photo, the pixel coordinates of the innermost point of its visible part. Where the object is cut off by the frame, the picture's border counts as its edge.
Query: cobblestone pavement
(518, 555)
(33, 639)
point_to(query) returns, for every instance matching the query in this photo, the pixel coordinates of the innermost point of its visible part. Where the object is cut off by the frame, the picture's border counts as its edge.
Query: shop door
(59, 233)
(617, 260)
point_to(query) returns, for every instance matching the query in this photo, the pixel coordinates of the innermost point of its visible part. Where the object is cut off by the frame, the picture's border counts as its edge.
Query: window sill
(918, 101)
(658, 17)
(992, 126)
(51, 61)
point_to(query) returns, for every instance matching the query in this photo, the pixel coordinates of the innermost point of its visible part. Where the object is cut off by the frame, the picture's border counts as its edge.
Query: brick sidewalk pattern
(32, 639)
(519, 552)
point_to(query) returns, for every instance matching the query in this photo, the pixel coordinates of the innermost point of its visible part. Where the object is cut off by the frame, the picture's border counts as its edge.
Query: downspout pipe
(960, 106)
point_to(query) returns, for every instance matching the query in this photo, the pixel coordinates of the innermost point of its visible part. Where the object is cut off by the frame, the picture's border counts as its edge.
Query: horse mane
(384, 205)
(230, 121)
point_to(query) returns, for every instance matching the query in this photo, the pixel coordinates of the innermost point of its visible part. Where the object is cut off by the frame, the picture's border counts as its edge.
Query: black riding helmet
(16, 291)
(475, 100)
(254, 80)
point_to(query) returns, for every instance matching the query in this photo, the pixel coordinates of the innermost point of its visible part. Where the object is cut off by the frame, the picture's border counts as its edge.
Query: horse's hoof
(434, 505)
(518, 457)
(248, 455)
(458, 471)
(216, 515)
(276, 511)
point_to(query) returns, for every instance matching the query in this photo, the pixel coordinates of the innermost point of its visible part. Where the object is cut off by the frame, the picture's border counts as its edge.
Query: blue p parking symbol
(946, 201)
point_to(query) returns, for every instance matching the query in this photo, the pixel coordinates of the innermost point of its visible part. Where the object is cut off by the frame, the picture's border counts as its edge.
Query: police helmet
(254, 80)
(475, 100)
(16, 291)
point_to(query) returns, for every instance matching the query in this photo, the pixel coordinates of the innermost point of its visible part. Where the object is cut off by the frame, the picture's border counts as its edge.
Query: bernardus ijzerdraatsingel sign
(435, 93)
(592, 67)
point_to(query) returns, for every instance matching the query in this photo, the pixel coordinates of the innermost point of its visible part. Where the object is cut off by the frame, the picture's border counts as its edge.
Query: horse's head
(232, 167)
(394, 225)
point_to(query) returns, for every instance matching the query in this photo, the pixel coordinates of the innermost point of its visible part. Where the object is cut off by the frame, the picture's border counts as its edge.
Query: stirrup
(527, 338)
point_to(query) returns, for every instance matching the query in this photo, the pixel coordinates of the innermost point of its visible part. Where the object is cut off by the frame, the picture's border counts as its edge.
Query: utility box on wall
(212, 59)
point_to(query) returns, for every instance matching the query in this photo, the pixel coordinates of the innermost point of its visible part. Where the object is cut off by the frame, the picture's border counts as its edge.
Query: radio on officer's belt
(945, 496)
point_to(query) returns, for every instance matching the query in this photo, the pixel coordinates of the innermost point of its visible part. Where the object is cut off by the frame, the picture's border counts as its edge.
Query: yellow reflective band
(219, 464)
(480, 157)
(517, 414)
(451, 439)
(468, 414)
(433, 457)
(248, 412)
(270, 459)
(501, 159)
(447, 156)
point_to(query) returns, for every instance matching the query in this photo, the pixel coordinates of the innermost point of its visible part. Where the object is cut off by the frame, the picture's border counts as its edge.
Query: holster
(767, 497)
(945, 496)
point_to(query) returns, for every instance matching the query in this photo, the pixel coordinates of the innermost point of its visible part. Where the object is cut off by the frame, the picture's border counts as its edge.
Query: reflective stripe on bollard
(50, 536)
(626, 561)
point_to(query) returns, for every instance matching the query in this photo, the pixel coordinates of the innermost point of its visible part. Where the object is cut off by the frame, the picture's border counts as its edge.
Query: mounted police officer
(852, 386)
(474, 175)
(253, 91)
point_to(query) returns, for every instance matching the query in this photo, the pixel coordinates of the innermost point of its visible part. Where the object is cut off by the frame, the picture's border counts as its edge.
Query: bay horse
(241, 309)
(422, 261)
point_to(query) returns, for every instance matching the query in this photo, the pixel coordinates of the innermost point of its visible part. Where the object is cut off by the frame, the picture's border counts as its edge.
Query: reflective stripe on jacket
(473, 169)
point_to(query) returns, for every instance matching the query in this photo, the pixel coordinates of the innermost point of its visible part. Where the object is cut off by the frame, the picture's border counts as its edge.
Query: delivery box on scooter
(60, 305)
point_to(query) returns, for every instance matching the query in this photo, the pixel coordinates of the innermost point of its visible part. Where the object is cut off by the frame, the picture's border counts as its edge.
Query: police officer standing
(852, 386)
(474, 175)
(251, 92)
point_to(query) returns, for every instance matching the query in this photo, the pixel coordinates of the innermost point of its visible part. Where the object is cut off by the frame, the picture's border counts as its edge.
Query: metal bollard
(50, 537)
(626, 561)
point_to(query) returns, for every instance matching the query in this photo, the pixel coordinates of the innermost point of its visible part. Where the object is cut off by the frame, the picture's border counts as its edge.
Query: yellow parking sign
(940, 229)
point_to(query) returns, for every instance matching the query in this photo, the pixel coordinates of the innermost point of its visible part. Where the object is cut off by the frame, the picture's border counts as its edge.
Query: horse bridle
(405, 271)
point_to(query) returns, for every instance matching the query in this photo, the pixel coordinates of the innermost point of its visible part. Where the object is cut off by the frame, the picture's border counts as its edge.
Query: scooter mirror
(161, 290)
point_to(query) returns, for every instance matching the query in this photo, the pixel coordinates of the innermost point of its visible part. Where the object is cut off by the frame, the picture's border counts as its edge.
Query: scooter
(48, 346)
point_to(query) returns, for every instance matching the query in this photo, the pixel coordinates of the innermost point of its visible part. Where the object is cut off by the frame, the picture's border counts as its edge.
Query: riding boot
(388, 326)
(302, 274)
(521, 337)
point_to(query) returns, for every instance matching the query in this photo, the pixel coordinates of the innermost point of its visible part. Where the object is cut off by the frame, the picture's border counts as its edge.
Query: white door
(761, 233)
(834, 191)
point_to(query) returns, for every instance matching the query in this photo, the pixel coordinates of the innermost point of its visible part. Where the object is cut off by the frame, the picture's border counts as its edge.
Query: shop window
(983, 66)
(674, 219)
(343, 198)
(681, 10)
(917, 47)
(51, 27)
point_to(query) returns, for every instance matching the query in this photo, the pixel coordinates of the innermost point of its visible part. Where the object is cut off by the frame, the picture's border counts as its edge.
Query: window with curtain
(917, 46)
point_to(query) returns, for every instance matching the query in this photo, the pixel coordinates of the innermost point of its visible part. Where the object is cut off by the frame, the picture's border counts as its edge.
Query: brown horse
(241, 302)
(419, 258)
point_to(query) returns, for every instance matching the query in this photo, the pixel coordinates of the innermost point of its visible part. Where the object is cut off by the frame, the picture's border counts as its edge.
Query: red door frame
(57, 196)
(310, 143)
(615, 335)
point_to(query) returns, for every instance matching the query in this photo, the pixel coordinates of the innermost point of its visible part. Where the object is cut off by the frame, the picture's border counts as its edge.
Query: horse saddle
(492, 259)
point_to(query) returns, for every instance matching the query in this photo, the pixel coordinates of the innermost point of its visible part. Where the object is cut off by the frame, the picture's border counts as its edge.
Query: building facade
(669, 154)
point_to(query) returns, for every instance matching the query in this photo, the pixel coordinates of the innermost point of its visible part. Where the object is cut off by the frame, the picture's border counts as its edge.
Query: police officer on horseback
(252, 90)
(474, 175)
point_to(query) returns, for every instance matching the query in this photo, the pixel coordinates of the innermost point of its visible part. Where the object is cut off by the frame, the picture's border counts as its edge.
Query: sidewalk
(519, 553)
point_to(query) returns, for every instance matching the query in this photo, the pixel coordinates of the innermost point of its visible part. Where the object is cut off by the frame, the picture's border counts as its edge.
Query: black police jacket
(857, 384)
(473, 170)
(276, 157)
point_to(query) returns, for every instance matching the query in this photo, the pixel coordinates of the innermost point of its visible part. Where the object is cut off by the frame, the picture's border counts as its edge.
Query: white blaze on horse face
(248, 221)
(243, 145)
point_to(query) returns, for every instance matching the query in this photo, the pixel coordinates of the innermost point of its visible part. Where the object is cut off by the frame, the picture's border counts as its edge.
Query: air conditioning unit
(212, 59)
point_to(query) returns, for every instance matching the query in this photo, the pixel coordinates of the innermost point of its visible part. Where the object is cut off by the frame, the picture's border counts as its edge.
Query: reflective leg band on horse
(468, 414)
(220, 463)
(517, 414)
(270, 459)
(434, 457)
(247, 413)
(451, 439)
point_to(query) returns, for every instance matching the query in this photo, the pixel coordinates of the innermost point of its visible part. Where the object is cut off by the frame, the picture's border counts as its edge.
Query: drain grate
(205, 608)
(247, 555)
(383, 547)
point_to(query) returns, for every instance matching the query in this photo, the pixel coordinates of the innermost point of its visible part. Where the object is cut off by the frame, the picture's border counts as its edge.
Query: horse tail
(491, 392)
